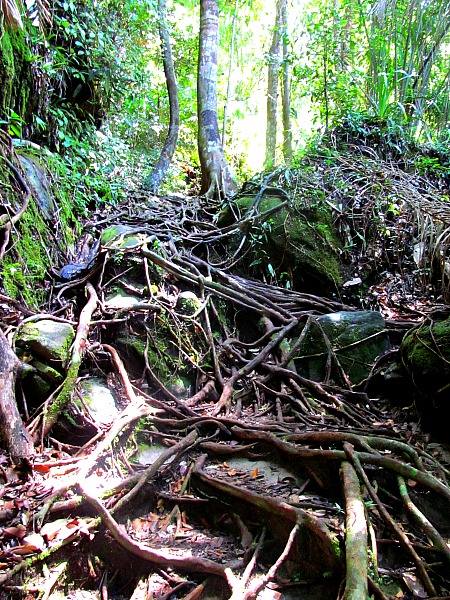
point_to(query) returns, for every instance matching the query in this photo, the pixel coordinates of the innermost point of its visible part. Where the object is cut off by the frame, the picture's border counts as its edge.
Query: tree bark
(217, 179)
(159, 171)
(12, 429)
(286, 90)
(272, 89)
(230, 70)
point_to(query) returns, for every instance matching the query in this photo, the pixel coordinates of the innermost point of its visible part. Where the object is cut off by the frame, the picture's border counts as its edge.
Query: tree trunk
(230, 70)
(272, 90)
(286, 90)
(12, 429)
(217, 179)
(159, 171)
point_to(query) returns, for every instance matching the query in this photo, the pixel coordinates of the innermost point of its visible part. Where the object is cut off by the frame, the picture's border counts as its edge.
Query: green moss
(64, 398)
(24, 268)
(133, 350)
(302, 241)
(337, 549)
(425, 353)
(6, 73)
(62, 188)
(15, 73)
(26, 263)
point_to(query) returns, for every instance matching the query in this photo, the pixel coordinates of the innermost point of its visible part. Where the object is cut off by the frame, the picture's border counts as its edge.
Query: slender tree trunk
(230, 69)
(286, 90)
(325, 88)
(217, 179)
(272, 89)
(159, 171)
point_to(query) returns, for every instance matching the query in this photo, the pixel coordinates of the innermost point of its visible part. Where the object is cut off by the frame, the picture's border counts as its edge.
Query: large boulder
(356, 339)
(299, 243)
(425, 355)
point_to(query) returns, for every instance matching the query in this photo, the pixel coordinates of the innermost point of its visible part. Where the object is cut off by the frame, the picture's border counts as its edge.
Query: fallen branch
(397, 531)
(277, 515)
(45, 554)
(425, 479)
(138, 482)
(434, 536)
(251, 365)
(259, 583)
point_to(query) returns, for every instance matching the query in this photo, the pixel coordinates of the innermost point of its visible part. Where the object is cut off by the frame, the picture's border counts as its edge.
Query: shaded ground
(266, 482)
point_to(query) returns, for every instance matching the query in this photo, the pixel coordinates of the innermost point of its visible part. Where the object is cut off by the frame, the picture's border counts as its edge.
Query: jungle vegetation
(188, 190)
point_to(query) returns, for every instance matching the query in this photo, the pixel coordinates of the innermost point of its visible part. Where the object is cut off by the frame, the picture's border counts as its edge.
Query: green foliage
(384, 136)
(14, 79)
(384, 59)
(14, 123)
(96, 170)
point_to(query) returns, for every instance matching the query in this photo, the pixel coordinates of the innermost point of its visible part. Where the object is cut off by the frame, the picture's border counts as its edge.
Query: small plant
(14, 123)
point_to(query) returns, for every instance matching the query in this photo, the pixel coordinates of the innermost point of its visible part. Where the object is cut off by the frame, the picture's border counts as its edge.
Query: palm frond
(40, 13)
(11, 13)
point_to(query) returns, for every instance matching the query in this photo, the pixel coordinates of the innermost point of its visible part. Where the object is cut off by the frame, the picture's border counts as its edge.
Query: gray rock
(37, 180)
(180, 387)
(100, 400)
(47, 339)
(357, 339)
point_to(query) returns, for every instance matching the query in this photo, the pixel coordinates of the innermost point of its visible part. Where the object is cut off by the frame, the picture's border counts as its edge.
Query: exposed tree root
(254, 415)
(12, 429)
(356, 555)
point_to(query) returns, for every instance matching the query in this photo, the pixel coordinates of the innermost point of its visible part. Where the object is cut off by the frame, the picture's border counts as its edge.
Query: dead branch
(138, 482)
(64, 397)
(250, 366)
(425, 479)
(277, 515)
(424, 524)
(259, 583)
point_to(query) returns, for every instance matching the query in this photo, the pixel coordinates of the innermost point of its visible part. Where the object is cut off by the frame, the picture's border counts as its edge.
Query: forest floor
(259, 482)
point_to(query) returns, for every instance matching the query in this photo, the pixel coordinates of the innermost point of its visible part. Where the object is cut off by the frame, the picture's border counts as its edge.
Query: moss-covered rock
(189, 303)
(425, 354)
(46, 339)
(24, 269)
(132, 349)
(356, 338)
(300, 243)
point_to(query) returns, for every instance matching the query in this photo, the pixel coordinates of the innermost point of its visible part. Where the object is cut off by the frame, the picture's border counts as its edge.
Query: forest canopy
(100, 63)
